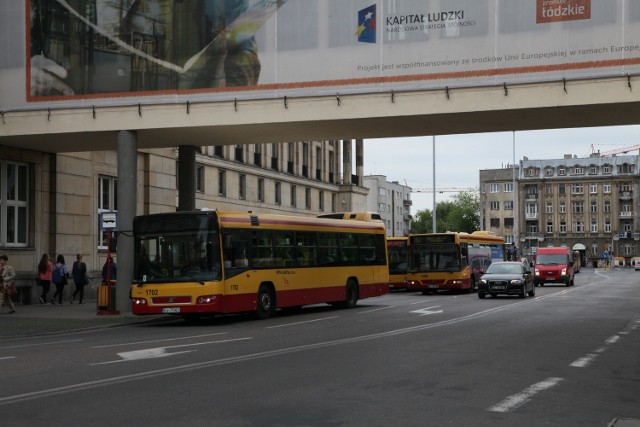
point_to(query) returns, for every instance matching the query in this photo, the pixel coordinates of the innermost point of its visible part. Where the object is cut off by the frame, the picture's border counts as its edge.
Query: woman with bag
(79, 275)
(45, 270)
(59, 277)
(7, 289)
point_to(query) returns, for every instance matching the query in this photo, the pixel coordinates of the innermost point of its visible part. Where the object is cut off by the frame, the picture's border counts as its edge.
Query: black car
(510, 278)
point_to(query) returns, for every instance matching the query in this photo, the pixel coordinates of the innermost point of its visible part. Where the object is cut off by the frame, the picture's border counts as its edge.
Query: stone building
(587, 204)
(51, 203)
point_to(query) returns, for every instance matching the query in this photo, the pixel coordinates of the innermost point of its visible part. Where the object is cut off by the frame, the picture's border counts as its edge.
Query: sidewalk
(40, 319)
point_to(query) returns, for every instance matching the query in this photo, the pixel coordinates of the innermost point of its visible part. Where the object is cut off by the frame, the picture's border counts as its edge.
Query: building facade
(499, 202)
(392, 201)
(589, 205)
(51, 203)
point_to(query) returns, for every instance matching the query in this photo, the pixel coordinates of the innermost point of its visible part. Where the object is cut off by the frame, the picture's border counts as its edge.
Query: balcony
(626, 195)
(408, 217)
(530, 216)
(626, 214)
(407, 202)
(531, 196)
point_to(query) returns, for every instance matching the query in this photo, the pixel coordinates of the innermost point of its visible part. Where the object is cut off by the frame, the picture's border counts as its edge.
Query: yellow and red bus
(398, 252)
(451, 260)
(210, 262)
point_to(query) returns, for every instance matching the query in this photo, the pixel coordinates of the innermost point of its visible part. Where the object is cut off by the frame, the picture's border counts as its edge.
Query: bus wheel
(266, 302)
(352, 294)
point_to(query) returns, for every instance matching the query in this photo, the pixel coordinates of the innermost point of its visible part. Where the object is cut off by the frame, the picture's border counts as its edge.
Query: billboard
(80, 52)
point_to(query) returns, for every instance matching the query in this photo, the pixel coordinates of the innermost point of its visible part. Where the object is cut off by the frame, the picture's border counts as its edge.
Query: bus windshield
(441, 257)
(187, 252)
(398, 257)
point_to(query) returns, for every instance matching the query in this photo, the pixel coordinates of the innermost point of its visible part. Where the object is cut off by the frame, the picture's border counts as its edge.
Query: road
(567, 357)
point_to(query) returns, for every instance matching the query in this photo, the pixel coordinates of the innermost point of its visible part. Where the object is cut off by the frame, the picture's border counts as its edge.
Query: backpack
(58, 275)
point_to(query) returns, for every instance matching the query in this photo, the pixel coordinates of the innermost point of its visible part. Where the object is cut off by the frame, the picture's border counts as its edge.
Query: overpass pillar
(127, 184)
(359, 162)
(346, 162)
(187, 178)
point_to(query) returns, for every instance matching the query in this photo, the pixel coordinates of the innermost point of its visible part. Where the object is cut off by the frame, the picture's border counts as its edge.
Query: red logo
(562, 10)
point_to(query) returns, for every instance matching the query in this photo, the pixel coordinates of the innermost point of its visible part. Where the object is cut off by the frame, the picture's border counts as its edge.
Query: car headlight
(483, 282)
(516, 281)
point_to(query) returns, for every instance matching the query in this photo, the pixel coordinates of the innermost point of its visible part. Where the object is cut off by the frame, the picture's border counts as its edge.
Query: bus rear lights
(207, 299)
(139, 301)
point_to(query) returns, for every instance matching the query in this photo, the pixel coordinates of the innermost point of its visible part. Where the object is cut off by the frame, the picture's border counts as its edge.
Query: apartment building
(498, 202)
(587, 204)
(392, 201)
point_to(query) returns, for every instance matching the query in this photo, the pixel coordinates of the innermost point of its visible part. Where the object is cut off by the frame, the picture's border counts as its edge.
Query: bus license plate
(171, 310)
(433, 286)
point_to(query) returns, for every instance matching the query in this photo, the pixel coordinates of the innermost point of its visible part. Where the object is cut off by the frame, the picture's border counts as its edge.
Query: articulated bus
(451, 260)
(210, 262)
(398, 250)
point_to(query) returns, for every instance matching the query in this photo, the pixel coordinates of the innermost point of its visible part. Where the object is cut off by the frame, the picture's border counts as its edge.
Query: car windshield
(504, 269)
(548, 259)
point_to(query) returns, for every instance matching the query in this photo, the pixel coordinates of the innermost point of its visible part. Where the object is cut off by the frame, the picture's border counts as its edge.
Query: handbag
(11, 290)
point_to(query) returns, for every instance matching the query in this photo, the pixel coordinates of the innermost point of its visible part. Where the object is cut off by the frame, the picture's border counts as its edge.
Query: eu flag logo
(366, 31)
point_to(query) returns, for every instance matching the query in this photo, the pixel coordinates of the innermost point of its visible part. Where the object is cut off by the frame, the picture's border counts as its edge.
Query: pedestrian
(59, 278)
(45, 270)
(111, 270)
(79, 275)
(7, 274)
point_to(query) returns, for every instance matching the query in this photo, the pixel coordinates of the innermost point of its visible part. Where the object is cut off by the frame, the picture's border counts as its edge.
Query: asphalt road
(567, 357)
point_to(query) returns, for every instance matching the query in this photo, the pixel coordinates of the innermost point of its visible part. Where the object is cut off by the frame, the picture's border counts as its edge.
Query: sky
(459, 158)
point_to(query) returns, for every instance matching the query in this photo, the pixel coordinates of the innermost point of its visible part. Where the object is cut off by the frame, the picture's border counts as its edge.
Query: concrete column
(360, 162)
(186, 178)
(346, 162)
(127, 184)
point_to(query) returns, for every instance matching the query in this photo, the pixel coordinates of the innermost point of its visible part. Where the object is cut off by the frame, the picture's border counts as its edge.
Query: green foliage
(460, 214)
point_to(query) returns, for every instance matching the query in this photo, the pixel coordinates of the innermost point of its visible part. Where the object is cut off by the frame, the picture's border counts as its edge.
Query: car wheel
(523, 291)
(481, 295)
(532, 292)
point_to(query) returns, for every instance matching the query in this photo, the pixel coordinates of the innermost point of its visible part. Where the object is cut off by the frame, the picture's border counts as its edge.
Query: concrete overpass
(544, 105)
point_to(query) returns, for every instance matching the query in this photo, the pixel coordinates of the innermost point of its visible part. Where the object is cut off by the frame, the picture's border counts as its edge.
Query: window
(274, 156)
(260, 190)
(294, 189)
(321, 201)
(495, 206)
(548, 172)
(606, 169)
(307, 198)
(549, 227)
(561, 189)
(305, 159)
(14, 206)
(607, 206)
(508, 205)
(239, 153)
(200, 178)
(578, 170)
(218, 151)
(594, 227)
(242, 186)
(594, 249)
(578, 227)
(548, 189)
(257, 154)
(508, 187)
(531, 172)
(382, 207)
(562, 171)
(593, 170)
(494, 188)
(577, 189)
(577, 207)
(222, 183)
(563, 227)
(291, 150)
(532, 228)
(625, 187)
(606, 188)
(382, 191)
(594, 206)
(549, 207)
(562, 207)
(508, 222)
(107, 202)
(593, 188)
(278, 193)
(495, 222)
(607, 226)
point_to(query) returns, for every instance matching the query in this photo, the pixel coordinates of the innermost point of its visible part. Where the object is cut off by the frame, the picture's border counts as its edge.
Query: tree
(462, 213)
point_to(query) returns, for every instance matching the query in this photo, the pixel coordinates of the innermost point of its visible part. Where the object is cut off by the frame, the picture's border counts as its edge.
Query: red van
(553, 265)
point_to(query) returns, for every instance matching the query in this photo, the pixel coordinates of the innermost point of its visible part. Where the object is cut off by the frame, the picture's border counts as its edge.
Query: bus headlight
(207, 299)
(139, 301)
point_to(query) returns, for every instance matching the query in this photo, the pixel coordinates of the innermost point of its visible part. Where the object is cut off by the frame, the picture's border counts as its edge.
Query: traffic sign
(109, 220)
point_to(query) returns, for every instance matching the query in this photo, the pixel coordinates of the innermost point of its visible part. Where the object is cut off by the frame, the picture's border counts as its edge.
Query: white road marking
(7, 357)
(584, 361)
(519, 399)
(161, 340)
(301, 323)
(428, 310)
(375, 309)
(38, 344)
(612, 340)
